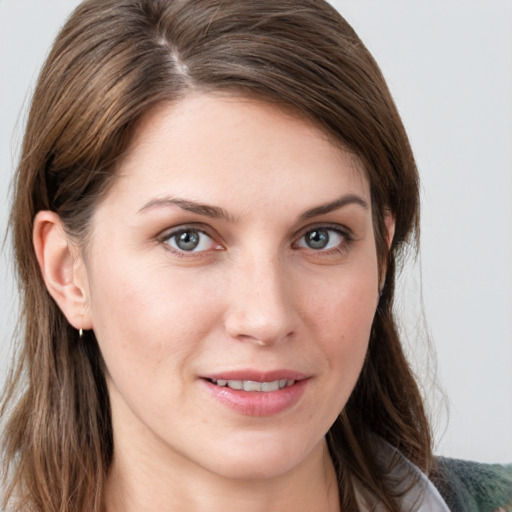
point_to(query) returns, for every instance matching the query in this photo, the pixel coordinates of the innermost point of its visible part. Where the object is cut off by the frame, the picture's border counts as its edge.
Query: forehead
(226, 147)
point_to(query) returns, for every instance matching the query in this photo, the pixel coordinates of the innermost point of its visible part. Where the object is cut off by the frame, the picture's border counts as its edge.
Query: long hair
(114, 60)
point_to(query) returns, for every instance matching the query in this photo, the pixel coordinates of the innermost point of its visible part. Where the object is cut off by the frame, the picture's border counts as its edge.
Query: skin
(253, 294)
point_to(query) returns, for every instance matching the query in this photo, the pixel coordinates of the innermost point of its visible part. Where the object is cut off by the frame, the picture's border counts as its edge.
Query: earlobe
(58, 265)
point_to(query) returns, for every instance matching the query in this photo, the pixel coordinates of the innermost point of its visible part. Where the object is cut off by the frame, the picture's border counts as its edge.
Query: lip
(254, 403)
(257, 375)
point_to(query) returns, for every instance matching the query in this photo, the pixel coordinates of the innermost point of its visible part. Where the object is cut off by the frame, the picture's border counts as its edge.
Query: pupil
(318, 238)
(188, 240)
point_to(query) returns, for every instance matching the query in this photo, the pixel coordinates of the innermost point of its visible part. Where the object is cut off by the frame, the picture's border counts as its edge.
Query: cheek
(345, 302)
(343, 314)
(348, 334)
(145, 318)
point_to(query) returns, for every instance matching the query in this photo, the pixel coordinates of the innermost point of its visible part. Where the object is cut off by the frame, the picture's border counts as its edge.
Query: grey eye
(320, 239)
(317, 239)
(187, 240)
(190, 240)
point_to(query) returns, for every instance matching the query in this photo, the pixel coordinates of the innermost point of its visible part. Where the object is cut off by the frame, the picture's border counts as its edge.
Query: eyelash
(166, 237)
(345, 234)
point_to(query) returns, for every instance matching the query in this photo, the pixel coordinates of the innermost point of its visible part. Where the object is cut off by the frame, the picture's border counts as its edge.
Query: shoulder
(474, 487)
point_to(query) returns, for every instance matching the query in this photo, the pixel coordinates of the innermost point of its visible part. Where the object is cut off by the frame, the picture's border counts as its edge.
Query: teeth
(250, 385)
(235, 384)
(270, 386)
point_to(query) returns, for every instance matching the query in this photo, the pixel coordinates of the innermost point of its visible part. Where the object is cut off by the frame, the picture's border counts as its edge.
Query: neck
(139, 481)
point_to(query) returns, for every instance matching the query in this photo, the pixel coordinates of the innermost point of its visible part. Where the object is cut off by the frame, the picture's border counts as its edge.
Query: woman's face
(236, 250)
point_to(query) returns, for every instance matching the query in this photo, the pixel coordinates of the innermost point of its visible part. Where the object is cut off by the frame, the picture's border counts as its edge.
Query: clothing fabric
(455, 485)
(474, 487)
(461, 486)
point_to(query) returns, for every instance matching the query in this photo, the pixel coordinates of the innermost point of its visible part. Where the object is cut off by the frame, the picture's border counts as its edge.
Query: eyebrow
(215, 212)
(334, 205)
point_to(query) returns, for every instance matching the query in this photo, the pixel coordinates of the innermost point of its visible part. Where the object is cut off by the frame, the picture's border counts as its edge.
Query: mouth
(257, 393)
(254, 386)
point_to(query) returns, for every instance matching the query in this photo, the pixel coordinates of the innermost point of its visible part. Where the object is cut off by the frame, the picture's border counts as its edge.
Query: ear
(389, 221)
(62, 269)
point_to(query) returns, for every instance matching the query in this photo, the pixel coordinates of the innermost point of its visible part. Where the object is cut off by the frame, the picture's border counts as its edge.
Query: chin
(263, 458)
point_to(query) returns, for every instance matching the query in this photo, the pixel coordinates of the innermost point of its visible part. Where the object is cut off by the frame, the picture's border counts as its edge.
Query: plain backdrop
(449, 66)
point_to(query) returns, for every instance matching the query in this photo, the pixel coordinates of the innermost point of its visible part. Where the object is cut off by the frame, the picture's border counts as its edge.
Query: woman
(210, 205)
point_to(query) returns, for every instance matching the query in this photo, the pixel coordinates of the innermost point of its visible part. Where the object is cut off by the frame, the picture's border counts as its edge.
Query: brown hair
(112, 61)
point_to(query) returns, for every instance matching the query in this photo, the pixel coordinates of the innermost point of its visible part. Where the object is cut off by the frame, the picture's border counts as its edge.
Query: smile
(250, 385)
(257, 394)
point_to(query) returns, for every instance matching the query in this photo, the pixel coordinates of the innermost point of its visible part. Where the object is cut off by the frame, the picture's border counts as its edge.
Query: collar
(418, 493)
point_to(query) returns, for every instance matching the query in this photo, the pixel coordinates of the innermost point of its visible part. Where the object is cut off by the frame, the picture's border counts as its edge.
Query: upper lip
(257, 375)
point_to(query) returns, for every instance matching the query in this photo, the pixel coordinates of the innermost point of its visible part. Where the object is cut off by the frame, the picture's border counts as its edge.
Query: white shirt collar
(420, 497)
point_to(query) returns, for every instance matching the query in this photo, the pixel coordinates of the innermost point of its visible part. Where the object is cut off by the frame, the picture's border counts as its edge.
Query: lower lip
(258, 403)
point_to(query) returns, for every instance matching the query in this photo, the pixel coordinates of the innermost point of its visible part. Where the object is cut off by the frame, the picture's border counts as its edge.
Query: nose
(261, 306)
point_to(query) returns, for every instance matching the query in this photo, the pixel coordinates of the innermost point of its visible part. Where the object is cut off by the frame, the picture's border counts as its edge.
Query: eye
(322, 239)
(190, 240)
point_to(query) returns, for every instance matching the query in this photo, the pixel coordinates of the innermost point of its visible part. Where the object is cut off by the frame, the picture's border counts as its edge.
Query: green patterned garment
(474, 487)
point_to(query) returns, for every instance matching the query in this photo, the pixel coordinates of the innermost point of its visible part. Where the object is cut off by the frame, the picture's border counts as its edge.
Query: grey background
(449, 66)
